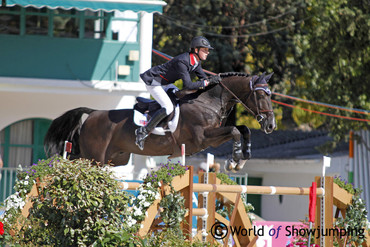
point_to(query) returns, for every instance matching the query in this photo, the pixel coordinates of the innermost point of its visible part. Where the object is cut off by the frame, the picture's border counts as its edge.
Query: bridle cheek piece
(264, 87)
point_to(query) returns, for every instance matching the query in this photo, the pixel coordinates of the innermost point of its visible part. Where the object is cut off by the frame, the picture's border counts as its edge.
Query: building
(59, 55)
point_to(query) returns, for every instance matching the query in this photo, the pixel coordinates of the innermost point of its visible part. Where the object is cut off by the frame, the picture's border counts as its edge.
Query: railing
(7, 180)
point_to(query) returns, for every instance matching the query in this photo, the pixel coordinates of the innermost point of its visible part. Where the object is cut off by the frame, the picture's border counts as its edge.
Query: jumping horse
(108, 136)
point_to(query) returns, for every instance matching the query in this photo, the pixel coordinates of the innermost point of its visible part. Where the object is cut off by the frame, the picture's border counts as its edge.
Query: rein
(258, 116)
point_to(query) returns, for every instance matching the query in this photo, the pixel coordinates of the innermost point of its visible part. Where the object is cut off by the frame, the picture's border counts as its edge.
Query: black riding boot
(143, 132)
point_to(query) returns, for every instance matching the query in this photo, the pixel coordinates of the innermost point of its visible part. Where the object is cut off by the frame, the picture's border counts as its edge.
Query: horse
(108, 136)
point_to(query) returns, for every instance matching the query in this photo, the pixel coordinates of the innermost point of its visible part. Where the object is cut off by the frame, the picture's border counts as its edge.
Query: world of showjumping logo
(219, 231)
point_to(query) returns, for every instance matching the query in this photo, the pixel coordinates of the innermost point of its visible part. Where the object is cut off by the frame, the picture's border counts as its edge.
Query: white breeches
(159, 94)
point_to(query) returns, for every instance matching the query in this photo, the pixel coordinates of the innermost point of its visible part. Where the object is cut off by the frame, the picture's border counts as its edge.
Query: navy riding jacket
(179, 67)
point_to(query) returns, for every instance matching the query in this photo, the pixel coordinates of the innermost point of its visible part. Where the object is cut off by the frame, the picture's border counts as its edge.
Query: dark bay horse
(109, 135)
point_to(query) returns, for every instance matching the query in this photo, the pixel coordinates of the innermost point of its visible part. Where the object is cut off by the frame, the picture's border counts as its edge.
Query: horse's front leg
(246, 144)
(246, 147)
(215, 137)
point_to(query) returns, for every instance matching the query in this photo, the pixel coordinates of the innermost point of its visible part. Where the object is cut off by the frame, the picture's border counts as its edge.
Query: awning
(94, 5)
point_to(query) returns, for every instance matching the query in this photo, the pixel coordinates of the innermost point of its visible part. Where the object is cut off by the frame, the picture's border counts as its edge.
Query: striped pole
(183, 154)
(350, 167)
(67, 149)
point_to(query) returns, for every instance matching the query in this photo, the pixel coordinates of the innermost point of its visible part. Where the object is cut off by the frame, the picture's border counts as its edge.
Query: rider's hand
(214, 79)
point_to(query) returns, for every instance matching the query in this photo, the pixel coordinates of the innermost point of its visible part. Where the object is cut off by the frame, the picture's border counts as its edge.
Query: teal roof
(94, 5)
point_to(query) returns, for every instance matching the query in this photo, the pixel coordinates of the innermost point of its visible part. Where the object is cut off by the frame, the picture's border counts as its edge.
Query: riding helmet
(200, 41)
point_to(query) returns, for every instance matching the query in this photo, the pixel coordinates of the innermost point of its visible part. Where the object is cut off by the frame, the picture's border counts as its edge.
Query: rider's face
(203, 53)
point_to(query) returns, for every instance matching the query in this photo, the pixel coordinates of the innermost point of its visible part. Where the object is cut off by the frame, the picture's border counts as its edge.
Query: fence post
(324, 213)
(211, 205)
(187, 193)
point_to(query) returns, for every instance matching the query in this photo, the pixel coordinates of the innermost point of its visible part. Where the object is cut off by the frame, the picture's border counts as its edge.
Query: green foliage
(173, 204)
(336, 47)
(170, 238)
(80, 204)
(165, 174)
(317, 49)
(342, 183)
(225, 179)
(173, 209)
(356, 214)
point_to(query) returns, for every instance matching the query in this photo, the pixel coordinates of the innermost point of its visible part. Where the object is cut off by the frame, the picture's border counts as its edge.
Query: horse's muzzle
(268, 123)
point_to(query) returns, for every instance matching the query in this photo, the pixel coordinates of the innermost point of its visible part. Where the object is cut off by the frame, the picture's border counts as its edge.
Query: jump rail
(330, 196)
(248, 189)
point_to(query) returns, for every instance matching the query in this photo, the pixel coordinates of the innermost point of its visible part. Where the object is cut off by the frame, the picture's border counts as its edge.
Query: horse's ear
(267, 78)
(260, 78)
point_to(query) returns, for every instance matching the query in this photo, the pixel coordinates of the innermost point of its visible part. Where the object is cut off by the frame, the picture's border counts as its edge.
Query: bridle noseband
(258, 116)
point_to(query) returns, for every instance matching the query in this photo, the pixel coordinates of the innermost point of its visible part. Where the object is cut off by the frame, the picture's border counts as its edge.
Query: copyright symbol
(219, 230)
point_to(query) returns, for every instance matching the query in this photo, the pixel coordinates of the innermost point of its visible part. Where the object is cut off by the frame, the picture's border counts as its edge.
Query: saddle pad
(141, 119)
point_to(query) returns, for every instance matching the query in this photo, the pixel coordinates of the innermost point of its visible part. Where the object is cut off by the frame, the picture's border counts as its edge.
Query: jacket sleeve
(200, 73)
(185, 76)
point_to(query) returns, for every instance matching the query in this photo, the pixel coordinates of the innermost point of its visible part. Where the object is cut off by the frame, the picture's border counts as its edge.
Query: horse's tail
(65, 128)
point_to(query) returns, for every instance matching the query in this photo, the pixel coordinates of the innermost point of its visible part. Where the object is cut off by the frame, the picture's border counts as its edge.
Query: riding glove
(214, 79)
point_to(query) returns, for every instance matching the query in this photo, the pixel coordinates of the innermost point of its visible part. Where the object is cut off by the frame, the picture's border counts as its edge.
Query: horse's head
(255, 96)
(263, 106)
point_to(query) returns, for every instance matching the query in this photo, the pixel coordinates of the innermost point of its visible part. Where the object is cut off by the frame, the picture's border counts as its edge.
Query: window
(61, 23)
(37, 21)
(10, 20)
(22, 142)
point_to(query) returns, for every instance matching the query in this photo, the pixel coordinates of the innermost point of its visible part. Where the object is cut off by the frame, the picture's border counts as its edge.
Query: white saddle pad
(142, 119)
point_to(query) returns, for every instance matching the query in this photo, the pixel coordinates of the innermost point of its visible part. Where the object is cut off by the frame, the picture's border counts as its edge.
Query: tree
(336, 47)
(317, 49)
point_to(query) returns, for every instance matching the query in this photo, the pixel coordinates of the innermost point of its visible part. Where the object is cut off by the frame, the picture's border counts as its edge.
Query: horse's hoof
(247, 155)
(240, 165)
(230, 165)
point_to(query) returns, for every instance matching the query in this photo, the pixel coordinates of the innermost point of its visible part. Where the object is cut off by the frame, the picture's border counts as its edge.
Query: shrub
(80, 205)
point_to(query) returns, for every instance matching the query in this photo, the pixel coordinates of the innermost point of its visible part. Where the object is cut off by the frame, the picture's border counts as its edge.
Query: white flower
(25, 182)
(159, 184)
(138, 212)
(140, 197)
(146, 204)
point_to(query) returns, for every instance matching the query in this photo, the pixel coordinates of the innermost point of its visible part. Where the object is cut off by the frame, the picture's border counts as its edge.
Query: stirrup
(141, 135)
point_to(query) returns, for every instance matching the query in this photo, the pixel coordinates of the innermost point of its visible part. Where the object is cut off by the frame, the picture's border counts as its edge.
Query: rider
(180, 67)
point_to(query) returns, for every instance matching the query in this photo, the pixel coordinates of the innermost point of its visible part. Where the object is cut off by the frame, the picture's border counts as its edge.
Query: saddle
(148, 107)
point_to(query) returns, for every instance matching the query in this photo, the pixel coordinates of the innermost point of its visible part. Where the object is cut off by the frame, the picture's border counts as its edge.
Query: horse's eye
(260, 95)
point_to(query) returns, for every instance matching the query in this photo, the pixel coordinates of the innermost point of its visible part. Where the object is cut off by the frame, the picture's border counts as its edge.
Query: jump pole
(67, 149)
(183, 154)
(249, 189)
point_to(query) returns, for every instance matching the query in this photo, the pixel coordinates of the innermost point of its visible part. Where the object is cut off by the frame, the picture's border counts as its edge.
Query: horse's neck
(224, 96)
(216, 98)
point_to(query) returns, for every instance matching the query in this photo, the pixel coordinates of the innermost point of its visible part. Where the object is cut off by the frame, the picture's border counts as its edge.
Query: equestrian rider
(161, 76)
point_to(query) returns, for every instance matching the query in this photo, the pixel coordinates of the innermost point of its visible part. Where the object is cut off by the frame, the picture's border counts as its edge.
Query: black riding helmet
(200, 41)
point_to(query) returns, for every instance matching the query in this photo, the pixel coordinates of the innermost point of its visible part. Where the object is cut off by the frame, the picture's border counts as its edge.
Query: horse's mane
(201, 91)
(229, 74)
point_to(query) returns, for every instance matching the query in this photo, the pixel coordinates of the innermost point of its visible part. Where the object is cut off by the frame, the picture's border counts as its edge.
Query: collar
(193, 59)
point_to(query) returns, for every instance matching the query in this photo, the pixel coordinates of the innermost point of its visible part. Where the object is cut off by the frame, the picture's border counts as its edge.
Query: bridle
(260, 86)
